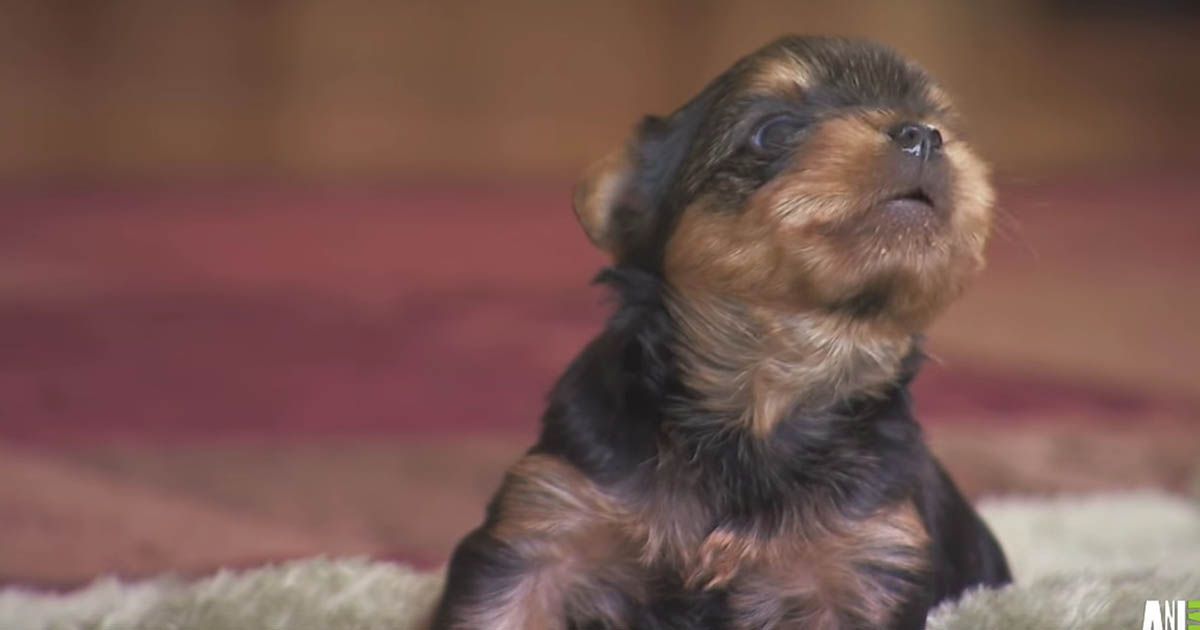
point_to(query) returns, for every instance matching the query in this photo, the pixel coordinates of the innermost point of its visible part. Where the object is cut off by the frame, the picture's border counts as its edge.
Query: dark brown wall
(355, 88)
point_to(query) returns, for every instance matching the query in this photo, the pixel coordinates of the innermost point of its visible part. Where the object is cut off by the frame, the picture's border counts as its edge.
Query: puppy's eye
(776, 132)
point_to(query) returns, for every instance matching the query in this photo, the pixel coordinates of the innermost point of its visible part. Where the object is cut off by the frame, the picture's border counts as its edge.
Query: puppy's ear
(605, 186)
(619, 200)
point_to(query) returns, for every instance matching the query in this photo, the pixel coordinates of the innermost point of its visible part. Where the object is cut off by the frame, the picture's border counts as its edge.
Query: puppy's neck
(756, 365)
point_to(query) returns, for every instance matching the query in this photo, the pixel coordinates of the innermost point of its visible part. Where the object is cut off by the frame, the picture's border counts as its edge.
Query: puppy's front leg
(492, 584)
(549, 557)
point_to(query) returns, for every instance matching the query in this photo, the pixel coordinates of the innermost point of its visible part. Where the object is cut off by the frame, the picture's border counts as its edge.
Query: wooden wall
(123, 89)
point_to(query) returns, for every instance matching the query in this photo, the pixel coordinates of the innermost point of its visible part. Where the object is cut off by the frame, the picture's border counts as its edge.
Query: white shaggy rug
(1080, 563)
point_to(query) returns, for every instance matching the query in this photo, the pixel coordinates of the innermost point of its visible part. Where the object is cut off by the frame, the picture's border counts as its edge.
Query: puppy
(737, 448)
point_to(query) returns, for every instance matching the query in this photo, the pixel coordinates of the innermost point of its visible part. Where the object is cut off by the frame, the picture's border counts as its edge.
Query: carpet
(1080, 562)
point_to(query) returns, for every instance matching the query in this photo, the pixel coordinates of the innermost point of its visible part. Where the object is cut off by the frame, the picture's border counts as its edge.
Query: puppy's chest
(592, 547)
(815, 573)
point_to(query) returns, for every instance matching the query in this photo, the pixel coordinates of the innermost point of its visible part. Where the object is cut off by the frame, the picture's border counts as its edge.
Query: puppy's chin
(894, 263)
(901, 289)
(900, 261)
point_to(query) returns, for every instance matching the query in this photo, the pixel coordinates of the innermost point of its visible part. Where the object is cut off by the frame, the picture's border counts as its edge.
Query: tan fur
(720, 558)
(567, 531)
(815, 571)
(938, 97)
(820, 580)
(784, 74)
(597, 195)
(544, 495)
(759, 363)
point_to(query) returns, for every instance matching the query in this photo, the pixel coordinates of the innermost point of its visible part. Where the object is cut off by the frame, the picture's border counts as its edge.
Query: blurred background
(285, 278)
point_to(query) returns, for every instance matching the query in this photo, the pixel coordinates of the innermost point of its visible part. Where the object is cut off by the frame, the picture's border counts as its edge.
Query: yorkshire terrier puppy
(737, 448)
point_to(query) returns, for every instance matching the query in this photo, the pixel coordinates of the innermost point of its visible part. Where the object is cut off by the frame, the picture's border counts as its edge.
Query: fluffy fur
(736, 449)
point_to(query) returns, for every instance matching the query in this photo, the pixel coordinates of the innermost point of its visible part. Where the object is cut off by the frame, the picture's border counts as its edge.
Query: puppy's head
(814, 175)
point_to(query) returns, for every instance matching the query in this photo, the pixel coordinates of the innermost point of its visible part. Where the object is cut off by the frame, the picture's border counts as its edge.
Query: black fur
(610, 411)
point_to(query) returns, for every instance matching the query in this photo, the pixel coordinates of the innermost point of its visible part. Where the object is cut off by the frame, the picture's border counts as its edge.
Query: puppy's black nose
(917, 140)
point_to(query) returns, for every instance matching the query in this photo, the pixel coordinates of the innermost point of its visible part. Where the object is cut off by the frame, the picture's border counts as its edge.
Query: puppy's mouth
(918, 206)
(914, 201)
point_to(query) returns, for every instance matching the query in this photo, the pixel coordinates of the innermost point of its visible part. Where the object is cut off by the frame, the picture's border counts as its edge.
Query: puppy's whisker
(1009, 228)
